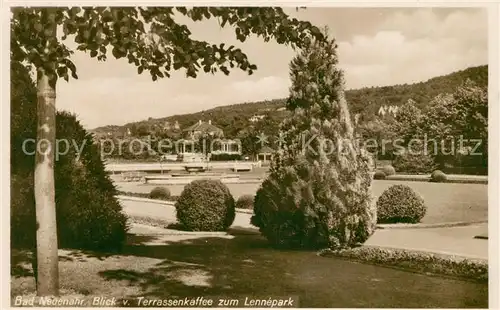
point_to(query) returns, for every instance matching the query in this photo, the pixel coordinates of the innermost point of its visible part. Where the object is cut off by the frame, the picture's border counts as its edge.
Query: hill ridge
(232, 118)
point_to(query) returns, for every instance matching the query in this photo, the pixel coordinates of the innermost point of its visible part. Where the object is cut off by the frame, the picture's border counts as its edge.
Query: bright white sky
(377, 47)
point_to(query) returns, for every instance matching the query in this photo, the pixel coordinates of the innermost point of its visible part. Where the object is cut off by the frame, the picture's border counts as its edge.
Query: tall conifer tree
(318, 192)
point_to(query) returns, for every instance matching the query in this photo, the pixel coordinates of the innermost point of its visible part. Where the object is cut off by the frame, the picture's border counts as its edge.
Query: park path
(446, 240)
(450, 240)
(451, 177)
(446, 202)
(166, 213)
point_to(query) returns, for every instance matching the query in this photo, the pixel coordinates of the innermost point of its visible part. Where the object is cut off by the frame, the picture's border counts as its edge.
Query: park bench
(149, 178)
(195, 168)
(242, 167)
(132, 176)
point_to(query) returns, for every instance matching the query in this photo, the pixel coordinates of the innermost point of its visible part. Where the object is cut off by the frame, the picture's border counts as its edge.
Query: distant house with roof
(256, 118)
(176, 125)
(169, 125)
(265, 154)
(393, 110)
(220, 145)
(388, 110)
(382, 111)
(356, 118)
(196, 130)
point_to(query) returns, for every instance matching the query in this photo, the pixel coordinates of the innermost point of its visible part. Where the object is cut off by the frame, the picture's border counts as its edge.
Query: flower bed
(423, 262)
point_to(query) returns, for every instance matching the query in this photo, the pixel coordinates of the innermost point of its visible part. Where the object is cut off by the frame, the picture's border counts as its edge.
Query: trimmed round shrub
(379, 175)
(206, 205)
(388, 170)
(438, 176)
(400, 204)
(88, 215)
(160, 193)
(245, 202)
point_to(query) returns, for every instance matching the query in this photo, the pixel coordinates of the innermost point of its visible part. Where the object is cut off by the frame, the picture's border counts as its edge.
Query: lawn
(242, 265)
(446, 202)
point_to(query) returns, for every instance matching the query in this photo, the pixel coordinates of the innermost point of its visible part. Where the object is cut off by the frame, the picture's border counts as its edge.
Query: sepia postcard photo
(242, 156)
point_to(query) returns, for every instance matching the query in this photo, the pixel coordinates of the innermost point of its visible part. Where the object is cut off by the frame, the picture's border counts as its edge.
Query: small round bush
(379, 175)
(400, 204)
(160, 193)
(389, 170)
(438, 176)
(245, 202)
(206, 205)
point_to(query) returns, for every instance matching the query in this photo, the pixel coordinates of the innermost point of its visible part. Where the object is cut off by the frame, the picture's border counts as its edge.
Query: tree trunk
(46, 234)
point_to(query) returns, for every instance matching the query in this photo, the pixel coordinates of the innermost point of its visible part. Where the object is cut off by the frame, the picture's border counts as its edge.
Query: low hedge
(466, 170)
(414, 163)
(224, 157)
(417, 261)
(162, 193)
(438, 176)
(388, 170)
(379, 175)
(245, 202)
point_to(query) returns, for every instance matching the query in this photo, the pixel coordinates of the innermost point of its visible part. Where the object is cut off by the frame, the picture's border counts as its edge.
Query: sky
(376, 47)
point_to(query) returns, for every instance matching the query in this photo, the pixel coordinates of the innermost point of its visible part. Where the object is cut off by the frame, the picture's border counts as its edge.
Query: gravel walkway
(452, 240)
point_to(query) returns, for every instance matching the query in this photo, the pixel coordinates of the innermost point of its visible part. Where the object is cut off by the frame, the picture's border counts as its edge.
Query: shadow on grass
(134, 239)
(21, 259)
(233, 230)
(20, 263)
(176, 226)
(242, 264)
(84, 255)
(236, 265)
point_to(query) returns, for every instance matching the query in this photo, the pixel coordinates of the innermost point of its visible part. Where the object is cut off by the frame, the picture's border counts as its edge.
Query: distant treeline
(235, 121)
